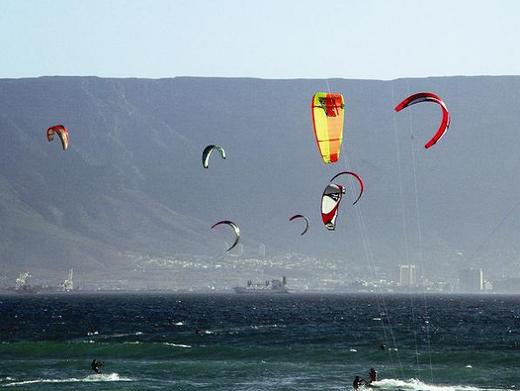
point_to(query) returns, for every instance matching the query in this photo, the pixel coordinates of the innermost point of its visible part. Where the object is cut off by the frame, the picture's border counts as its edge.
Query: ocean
(279, 342)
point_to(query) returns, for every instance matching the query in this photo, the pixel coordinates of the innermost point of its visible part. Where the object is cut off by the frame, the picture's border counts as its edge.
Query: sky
(362, 39)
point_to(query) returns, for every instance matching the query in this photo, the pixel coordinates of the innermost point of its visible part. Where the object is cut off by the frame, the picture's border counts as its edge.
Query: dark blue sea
(233, 342)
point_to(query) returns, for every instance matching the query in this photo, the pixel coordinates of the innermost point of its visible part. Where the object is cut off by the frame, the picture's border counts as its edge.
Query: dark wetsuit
(95, 365)
(372, 375)
(357, 383)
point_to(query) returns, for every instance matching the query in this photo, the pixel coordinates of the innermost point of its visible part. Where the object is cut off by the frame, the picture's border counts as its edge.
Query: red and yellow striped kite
(327, 117)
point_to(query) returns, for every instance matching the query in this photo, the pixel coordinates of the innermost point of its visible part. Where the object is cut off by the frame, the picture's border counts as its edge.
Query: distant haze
(131, 193)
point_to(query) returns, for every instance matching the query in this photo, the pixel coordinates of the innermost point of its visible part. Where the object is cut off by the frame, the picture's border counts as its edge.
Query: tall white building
(471, 280)
(407, 276)
(68, 284)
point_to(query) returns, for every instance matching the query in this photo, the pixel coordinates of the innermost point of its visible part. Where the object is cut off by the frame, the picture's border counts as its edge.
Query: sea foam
(102, 377)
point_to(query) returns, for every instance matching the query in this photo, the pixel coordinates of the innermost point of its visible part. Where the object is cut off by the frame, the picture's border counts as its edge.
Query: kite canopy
(429, 97)
(62, 133)
(360, 181)
(306, 222)
(236, 229)
(330, 204)
(327, 118)
(207, 153)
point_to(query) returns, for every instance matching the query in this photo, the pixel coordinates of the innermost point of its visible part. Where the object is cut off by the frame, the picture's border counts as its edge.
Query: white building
(471, 280)
(407, 276)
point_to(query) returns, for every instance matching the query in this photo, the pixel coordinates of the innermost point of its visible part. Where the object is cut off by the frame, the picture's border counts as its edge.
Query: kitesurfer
(92, 331)
(358, 382)
(95, 365)
(372, 375)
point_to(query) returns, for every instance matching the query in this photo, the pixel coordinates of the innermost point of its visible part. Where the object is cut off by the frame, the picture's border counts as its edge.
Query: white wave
(415, 384)
(264, 326)
(119, 335)
(102, 377)
(177, 345)
(99, 337)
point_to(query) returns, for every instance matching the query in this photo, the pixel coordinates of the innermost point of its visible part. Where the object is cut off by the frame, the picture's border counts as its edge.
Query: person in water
(358, 382)
(372, 375)
(95, 365)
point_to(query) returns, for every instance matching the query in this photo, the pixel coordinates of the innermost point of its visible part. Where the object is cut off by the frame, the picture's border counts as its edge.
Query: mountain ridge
(132, 181)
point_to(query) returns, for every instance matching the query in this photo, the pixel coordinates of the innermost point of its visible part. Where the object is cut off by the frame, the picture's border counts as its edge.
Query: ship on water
(68, 284)
(22, 285)
(267, 287)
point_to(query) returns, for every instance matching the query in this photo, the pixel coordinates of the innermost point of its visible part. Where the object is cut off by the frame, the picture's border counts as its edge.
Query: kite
(360, 181)
(330, 204)
(62, 133)
(207, 153)
(327, 118)
(301, 217)
(429, 97)
(235, 228)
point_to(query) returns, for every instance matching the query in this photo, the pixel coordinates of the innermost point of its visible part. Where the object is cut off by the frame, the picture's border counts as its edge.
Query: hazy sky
(383, 39)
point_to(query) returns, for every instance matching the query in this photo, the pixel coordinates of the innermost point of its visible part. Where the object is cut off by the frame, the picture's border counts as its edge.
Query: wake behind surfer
(95, 365)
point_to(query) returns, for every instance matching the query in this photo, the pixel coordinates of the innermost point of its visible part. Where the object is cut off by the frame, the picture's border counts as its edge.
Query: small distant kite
(235, 228)
(306, 222)
(62, 133)
(429, 97)
(207, 153)
(327, 118)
